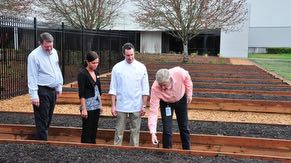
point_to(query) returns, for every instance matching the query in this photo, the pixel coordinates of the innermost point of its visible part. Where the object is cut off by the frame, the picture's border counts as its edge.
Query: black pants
(89, 127)
(180, 108)
(44, 112)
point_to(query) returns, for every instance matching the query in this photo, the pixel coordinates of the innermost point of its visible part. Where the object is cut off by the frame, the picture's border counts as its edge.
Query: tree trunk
(185, 52)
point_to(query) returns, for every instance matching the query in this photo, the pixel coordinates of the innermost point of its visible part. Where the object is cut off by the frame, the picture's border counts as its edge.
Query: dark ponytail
(90, 56)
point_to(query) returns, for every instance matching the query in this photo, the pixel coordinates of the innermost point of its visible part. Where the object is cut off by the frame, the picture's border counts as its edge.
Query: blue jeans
(181, 112)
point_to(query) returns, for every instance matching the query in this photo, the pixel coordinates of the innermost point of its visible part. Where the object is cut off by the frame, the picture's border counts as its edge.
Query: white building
(269, 25)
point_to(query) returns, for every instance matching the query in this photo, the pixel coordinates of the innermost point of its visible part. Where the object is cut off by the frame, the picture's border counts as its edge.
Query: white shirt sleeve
(113, 83)
(32, 70)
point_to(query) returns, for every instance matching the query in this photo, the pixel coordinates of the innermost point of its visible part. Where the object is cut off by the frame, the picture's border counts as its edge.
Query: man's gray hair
(162, 75)
(47, 37)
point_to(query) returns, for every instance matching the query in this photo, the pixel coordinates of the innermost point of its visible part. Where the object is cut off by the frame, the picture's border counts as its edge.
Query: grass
(270, 56)
(277, 63)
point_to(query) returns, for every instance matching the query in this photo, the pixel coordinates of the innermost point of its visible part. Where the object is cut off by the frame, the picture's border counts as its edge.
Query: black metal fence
(19, 37)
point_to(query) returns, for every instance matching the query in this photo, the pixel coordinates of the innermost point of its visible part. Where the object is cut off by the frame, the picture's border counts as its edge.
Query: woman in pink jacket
(171, 91)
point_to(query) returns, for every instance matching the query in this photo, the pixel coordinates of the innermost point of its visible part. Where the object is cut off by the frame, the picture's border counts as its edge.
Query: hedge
(279, 50)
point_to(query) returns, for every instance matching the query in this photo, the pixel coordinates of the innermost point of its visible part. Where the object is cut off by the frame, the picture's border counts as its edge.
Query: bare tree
(15, 8)
(185, 19)
(90, 14)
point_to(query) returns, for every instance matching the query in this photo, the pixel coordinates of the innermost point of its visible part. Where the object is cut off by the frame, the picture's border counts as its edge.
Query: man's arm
(59, 88)
(112, 92)
(188, 86)
(113, 106)
(32, 73)
(153, 115)
(144, 102)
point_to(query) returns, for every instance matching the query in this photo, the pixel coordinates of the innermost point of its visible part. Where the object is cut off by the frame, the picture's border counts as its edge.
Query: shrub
(278, 50)
(193, 54)
(211, 62)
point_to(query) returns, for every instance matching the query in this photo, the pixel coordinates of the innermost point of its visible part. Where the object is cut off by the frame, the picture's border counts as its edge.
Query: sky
(126, 21)
(270, 13)
(263, 13)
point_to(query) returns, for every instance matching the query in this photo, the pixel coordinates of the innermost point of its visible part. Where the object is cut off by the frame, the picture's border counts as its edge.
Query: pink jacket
(181, 84)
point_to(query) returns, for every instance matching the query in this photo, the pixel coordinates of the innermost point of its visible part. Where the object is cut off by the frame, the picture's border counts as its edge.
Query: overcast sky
(126, 21)
(270, 13)
(264, 13)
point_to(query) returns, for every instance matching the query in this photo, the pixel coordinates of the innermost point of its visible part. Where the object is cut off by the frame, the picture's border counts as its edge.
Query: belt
(46, 87)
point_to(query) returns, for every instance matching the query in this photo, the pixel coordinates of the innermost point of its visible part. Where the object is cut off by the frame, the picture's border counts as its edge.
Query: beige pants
(135, 120)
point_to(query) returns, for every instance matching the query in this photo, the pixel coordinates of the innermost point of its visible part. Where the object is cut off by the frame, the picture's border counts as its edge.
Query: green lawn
(270, 56)
(277, 63)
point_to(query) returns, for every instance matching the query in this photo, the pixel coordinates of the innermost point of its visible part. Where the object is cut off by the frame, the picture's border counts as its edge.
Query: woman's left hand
(84, 113)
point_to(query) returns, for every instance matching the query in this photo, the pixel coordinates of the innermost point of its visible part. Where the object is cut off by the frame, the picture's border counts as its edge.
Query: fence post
(99, 51)
(62, 51)
(110, 60)
(35, 32)
(205, 37)
(82, 46)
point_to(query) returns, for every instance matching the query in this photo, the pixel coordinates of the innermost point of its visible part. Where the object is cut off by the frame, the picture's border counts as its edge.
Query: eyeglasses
(165, 85)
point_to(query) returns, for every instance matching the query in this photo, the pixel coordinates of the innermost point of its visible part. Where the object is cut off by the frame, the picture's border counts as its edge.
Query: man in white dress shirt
(129, 90)
(45, 83)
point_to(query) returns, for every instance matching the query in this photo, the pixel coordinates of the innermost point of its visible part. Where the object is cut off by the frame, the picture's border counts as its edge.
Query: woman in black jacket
(90, 97)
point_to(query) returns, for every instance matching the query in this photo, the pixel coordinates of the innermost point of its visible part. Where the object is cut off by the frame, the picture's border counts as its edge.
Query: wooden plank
(68, 94)
(247, 92)
(252, 147)
(211, 145)
(266, 106)
(241, 105)
(210, 104)
(108, 134)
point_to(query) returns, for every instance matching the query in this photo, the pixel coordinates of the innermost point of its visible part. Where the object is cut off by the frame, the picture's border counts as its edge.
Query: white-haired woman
(171, 91)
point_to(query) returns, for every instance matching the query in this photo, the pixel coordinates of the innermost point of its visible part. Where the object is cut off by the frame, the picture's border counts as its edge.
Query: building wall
(270, 25)
(270, 37)
(235, 44)
(270, 13)
(151, 42)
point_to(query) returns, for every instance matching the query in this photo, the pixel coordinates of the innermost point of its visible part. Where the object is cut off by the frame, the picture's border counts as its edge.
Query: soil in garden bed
(242, 96)
(49, 153)
(196, 127)
(259, 88)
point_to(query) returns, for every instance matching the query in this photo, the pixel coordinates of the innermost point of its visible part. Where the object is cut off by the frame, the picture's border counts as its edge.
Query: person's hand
(84, 113)
(189, 99)
(35, 102)
(142, 111)
(154, 139)
(113, 111)
(101, 110)
(59, 94)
